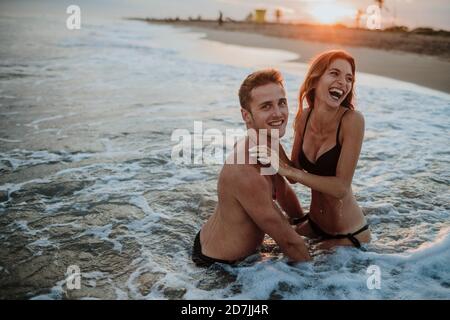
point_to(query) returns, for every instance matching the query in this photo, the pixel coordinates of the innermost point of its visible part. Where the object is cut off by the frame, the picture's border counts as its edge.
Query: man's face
(268, 109)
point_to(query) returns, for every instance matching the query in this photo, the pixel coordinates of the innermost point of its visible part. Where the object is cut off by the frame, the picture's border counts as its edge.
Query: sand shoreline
(431, 71)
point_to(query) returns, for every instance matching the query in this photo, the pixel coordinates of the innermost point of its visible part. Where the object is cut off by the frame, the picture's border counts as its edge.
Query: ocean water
(87, 179)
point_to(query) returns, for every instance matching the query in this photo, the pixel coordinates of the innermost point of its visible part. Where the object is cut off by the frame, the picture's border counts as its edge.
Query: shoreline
(425, 70)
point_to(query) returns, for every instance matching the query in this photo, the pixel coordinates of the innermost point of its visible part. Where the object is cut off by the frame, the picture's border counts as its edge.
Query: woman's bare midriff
(336, 216)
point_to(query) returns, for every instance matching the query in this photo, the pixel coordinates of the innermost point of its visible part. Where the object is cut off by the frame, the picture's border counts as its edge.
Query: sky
(411, 13)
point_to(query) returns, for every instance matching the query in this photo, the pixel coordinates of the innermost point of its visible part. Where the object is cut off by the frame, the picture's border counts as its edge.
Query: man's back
(230, 233)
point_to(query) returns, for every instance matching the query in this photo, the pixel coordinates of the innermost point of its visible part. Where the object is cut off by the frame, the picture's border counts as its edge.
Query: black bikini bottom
(317, 230)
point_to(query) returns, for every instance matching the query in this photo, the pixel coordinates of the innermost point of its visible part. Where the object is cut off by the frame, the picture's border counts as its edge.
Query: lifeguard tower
(260, 15)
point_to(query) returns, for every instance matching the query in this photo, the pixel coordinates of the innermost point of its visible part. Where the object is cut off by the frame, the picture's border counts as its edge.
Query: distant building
(260, 15)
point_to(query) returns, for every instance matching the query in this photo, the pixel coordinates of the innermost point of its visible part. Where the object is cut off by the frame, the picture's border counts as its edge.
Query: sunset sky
(412, 13)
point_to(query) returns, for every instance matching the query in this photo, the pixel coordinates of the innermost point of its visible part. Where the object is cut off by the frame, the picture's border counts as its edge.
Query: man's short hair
(257, 79)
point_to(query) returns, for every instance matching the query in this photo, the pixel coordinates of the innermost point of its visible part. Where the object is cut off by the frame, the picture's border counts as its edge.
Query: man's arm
(287, 199)
(254, 193)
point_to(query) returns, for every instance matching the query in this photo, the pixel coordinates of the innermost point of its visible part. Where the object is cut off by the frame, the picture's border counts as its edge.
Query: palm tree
(380, 3)
(358, 17)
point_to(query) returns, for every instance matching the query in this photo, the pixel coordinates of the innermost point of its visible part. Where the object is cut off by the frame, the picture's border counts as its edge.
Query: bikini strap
(349, 236)
(300, 220)
(339, 128)
(355, 241)
(352, 238)
(306, 123)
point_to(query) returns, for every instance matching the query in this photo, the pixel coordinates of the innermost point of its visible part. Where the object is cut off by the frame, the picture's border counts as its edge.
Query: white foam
(19, 158)
(120, 294)
(35, 123)
(10, 140)
(151, 217)
(22, 225)
(102, 233)
(42, 243)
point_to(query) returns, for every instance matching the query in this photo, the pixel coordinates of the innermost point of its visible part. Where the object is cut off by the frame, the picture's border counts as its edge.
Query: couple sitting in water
(327, 144)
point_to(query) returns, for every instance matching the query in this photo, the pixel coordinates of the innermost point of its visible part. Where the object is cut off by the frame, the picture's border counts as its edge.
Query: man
(247, 207)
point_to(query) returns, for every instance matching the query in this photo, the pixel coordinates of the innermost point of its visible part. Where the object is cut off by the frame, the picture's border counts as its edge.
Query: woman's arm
(284, 157)
(338, 186)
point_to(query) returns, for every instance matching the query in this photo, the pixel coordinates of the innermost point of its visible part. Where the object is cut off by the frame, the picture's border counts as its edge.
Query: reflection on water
(87, 178)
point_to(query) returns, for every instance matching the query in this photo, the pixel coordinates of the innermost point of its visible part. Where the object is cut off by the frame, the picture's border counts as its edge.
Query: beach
(88, 179)
(419, 59)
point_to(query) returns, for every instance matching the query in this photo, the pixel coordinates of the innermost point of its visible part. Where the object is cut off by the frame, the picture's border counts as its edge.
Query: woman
(327, 144)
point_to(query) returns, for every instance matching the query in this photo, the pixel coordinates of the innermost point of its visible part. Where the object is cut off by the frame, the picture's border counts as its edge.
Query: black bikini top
(327, 162)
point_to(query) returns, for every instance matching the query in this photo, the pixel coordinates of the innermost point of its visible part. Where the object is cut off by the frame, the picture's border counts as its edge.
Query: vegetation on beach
(400, 29)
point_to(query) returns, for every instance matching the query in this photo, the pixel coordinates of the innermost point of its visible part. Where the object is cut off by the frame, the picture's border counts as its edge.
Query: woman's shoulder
(353, 119)
(302, 120)
(352, 116)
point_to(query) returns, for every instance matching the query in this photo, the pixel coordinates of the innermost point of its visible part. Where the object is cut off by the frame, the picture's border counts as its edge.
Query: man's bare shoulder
(245, 181)
(243, 176)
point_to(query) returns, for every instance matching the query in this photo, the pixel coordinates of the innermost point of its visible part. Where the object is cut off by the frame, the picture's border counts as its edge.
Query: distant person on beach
(220, 20)
(250, 204)
(327, 143)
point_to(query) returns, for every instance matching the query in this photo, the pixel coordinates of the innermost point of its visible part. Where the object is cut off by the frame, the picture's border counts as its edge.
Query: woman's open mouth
(336, 93)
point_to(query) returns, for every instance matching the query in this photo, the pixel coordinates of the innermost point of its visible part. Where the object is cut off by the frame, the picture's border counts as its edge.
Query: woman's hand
(266, 156)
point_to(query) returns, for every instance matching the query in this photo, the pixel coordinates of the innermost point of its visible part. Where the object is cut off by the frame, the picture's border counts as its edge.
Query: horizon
(410, 13)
